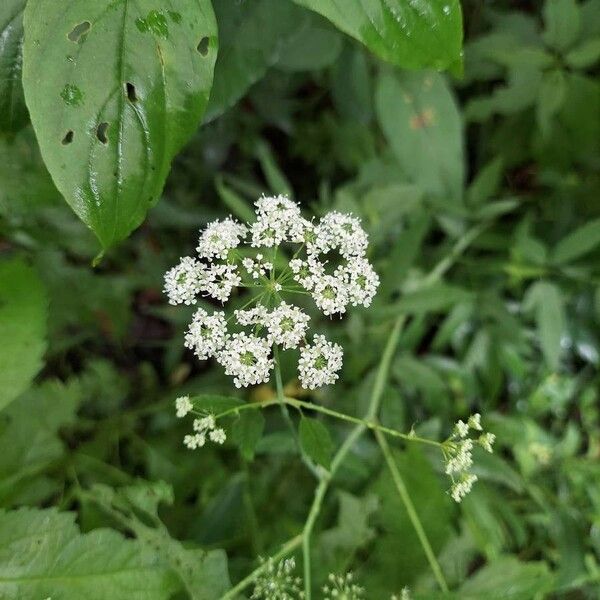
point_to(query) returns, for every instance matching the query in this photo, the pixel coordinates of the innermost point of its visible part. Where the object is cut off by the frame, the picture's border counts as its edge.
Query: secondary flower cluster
(458, 455)
(342, 586)
(328, 263)
(277, 581)
(205, 427)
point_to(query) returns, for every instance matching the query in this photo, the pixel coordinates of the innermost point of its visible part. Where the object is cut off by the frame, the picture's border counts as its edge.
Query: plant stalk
(340, 455)
(410, 509)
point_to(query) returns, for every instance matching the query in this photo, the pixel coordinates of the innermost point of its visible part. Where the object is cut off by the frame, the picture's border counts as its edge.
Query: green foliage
(247, 432)
(398, 31)
(420, 119)
(126, 88)
(54, 558)
(316, 441)
(13, 112)
(480, 198)
(23, 310)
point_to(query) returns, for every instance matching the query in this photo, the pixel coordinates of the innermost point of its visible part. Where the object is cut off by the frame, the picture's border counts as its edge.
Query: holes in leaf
(131, 93)
(101, 132)
(79, 31)
(68, 138)
(203, 46)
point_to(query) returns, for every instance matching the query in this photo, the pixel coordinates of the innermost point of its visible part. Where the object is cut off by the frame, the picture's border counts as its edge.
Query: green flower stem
(299, 404)
(281, 399)
(286, 549)
(459, 247)
(410, 509)
(338, 459)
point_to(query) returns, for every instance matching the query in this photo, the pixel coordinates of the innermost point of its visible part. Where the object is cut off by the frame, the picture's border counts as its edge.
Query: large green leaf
(115, 88)
(408, 33)
(420, 119)
(202, 573)
(13, 112)
(29, 439)
(43, 555)
(251, 35)
(23, 309)
(508, 579)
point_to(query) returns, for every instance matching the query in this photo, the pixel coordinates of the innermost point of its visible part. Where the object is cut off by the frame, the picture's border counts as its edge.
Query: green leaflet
(43, 555)
(13, 112)
(420, 119)
(114, 90)
(413, 35)
(250, 36)
(30, 442)
(23, 309)
(203, 574)
(316, 441)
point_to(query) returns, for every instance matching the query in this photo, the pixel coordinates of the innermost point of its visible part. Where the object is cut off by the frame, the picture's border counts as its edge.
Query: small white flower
(486, 441)
(183, 406)
(343, 587)
(204, 424)
(461, 429)
(278, 219)
(219, 280)
(287, 325)
(331, 294)
(194, 441)
(462, 459)
(251, 316)
(217, 436)
(182, 282)
(307, 272)
(246, 358)
(462, 487)
(319, 363)
(277, 582)
(257, 268)
(474, 422)
(342, 232)
(361, 280)
(219, 237)
(206, 334)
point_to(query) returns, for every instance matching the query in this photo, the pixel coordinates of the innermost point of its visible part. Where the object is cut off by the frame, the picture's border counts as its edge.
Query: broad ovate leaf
(420, 119)
(23, 311)
(316, 441)
(114, 89)
(43, 555)
(412, 34)
(13, 112)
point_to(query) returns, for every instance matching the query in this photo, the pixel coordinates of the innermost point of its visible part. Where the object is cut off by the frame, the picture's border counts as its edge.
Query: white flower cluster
(458, 453)
(277, 581)
(342, 587)
(328, 264)
(204, 428)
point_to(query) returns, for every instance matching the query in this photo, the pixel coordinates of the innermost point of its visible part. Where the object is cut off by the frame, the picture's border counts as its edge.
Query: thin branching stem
(281, 399)
(410, 509)
(338, 459)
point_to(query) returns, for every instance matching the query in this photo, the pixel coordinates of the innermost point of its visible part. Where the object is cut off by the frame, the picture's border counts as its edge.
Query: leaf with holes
(408, 34)
(13, 112)
(23, 308)
(114, 90)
